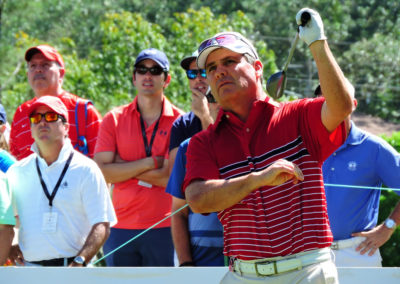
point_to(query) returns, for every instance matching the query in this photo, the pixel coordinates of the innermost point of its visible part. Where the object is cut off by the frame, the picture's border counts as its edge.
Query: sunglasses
(227, 39)
(192, 73)
(155, 70)
(48, 117)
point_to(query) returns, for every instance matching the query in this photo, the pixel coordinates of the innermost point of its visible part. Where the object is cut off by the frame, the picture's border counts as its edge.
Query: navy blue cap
(154, 54)
(185, 63)
(3, 115)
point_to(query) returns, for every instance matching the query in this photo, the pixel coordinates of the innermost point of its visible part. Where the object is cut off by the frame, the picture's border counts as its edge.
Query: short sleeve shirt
(272, 220)
(205, 230)
(137, 206)
(81, 201)
(363, 160)
(183, 128)
(6, 209)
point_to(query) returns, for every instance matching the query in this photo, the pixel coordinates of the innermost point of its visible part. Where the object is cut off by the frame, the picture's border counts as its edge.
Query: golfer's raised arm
(339, 103)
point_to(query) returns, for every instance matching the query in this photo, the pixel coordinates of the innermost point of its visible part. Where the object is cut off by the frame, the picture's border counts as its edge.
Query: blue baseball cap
(154, 54)
(3, 115)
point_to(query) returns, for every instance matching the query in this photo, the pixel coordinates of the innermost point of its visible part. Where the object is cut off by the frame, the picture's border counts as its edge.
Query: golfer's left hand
(374, 239)
(313, 30)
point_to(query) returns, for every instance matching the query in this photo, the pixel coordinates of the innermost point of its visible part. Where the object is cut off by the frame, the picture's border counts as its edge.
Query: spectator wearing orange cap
(60, 195)
(46, 72)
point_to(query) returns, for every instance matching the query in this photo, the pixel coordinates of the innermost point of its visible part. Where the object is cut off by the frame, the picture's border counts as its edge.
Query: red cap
(52, 102)
(48, 51)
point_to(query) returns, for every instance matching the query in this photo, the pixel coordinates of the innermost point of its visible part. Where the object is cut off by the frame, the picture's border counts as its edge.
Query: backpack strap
(80, 121)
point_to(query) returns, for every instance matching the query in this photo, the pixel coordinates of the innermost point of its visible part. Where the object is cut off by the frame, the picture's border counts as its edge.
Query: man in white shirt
(60, 195)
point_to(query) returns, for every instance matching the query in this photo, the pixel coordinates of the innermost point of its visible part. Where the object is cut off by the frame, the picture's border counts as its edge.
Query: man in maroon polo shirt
(259, 165)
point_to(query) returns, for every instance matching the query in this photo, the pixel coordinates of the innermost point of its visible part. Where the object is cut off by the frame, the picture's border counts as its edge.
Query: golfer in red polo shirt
(259, 164)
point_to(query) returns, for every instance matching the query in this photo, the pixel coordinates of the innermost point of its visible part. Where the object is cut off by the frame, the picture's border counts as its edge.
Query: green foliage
(377, 88)
(388, 200)
(350, 26)
(104, 75)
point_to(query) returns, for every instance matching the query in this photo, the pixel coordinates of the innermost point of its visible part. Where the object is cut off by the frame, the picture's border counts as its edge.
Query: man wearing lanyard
(60, 195)
(131, 147)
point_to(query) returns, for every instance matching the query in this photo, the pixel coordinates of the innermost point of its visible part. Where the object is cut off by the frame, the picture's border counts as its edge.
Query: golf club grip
(305, 17)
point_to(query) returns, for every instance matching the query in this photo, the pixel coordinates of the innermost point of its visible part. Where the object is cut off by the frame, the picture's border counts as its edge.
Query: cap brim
(35, 106)
(52, 56)
(202, 58)
(185, 63)
(30, 52)
(156, 61)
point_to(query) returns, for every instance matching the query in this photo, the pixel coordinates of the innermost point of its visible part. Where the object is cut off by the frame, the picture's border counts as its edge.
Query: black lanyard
(148, 147)
(46, 192)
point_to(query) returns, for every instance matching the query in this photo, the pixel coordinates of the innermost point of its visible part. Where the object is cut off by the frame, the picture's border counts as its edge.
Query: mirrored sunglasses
(192, 73)
(155, 70)
(48, 117)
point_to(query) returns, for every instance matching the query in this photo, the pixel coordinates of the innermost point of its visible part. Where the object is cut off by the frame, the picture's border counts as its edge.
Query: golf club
(276, 83)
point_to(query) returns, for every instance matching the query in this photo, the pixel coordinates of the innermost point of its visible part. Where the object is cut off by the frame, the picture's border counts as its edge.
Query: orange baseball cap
(48, 51)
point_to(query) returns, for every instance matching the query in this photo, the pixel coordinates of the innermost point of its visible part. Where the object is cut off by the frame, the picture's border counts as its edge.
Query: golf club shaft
(305, 17)
(291, 52)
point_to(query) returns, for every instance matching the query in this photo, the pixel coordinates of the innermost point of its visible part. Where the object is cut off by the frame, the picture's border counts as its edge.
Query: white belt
(342, 244)
(280, 265)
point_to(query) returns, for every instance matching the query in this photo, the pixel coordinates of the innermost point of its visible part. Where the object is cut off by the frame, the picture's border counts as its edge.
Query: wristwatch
(390, 223)
(80, 260)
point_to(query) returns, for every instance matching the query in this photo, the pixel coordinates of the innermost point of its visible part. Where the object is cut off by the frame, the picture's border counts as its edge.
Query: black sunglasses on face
(192, 73)
(155, 70)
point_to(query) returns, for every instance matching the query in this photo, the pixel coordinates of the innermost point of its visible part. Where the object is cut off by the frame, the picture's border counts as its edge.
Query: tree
(374, 65)
(104, 75)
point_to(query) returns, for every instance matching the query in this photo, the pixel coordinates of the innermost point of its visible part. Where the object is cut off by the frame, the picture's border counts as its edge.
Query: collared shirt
(6, 160)
(205, 231)
(6, 211)
(183, 128)
(82, 200)
(136, 205)
(363, 160)
(272, 220)
(21, 138)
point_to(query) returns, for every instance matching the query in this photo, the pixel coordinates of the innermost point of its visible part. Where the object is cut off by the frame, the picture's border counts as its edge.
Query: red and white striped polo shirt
(271, 221)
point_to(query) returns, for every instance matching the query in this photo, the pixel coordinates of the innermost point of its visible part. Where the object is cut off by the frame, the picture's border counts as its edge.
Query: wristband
(155, 162)
(187, 263)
